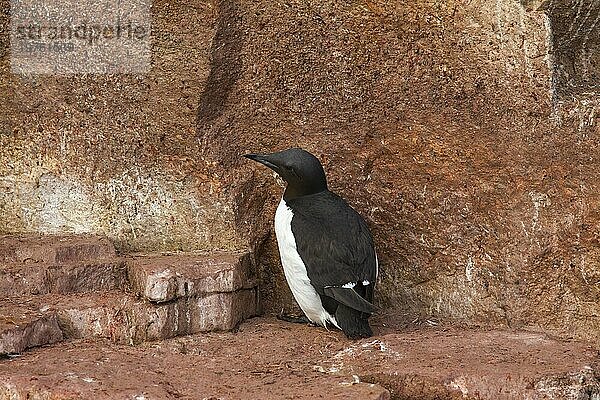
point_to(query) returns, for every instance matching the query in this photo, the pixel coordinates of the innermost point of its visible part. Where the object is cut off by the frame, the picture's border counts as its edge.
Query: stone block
(40, 278)
(52, 249)
(126, 319)
(162, 278)
(24, 327)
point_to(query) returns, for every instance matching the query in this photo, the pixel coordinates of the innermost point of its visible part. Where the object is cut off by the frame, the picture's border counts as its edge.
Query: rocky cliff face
(465, 133)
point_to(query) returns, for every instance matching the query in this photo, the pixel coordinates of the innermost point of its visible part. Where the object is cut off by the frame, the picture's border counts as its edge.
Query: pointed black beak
(254, 157)
(263, 159)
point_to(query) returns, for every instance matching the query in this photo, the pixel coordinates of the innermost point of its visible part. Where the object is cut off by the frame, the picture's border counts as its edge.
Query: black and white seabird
(326, 247)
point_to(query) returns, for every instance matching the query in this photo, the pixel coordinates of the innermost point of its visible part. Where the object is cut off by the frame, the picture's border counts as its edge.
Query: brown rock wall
(440, 121)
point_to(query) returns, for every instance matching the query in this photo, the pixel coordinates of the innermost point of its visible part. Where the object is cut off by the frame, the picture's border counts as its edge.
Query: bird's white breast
(295, 270)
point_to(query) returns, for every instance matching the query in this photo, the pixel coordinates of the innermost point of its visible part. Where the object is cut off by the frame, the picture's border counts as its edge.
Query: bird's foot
(293, 318)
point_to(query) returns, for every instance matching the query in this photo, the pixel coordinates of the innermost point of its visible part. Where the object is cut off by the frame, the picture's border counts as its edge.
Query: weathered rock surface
(127, 320)
(39, 320)
(466, 133)
(474, 365)
(99, 370)
(23, 327)
(54, 249)
(268, 359)
(43, 278)
(61, 287)
(161, 278)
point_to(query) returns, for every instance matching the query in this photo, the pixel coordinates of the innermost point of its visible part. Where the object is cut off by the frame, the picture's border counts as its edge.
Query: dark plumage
(326, 247)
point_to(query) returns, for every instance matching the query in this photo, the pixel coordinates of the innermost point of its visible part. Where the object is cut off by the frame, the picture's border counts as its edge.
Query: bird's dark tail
(355, 324)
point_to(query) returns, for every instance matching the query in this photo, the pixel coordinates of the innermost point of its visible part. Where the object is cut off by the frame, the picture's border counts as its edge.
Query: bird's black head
(301, 170)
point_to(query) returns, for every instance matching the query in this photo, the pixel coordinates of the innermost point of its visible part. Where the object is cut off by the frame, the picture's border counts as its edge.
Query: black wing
(336, 246)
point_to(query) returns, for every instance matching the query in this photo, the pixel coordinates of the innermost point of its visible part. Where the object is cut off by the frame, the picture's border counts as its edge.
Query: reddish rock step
(161, 278)
(268, 359)
(117, 316)
(42, 278)
(125, 319)
(23, 327)
(470, 364)
(54, 249)
(209, 366)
